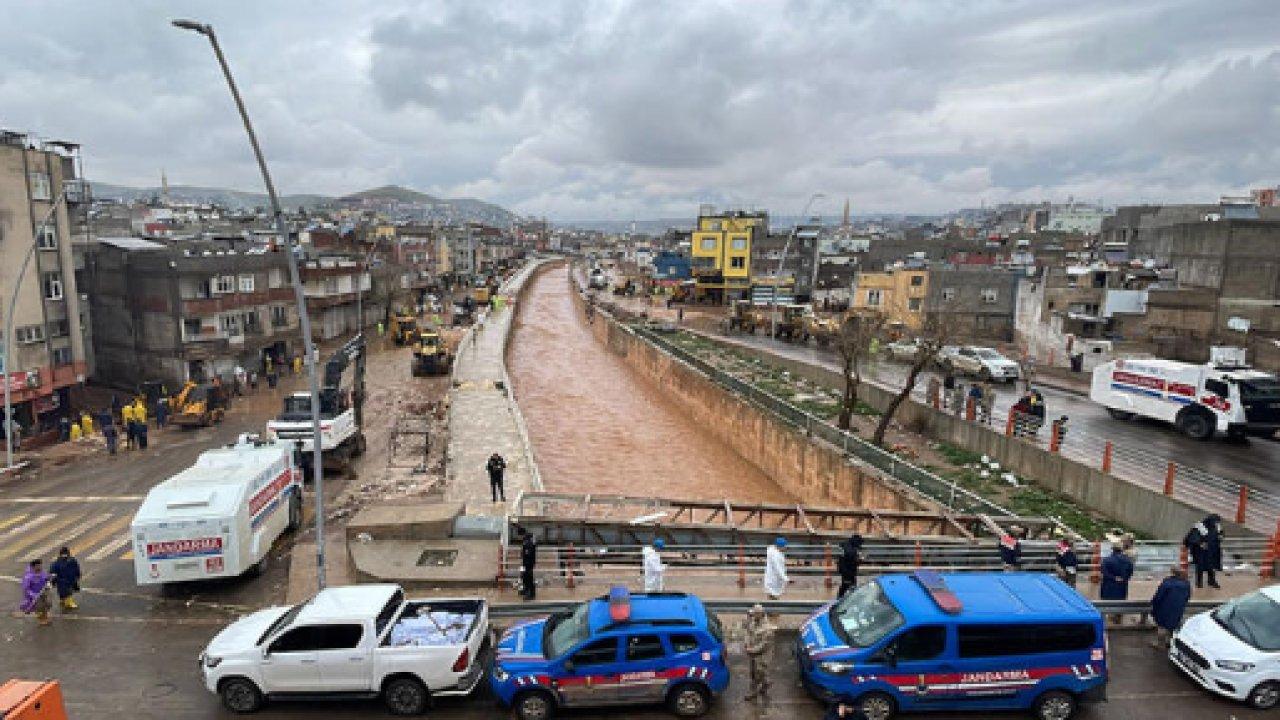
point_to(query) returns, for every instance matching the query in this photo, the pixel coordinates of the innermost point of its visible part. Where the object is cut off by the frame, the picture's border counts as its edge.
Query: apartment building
(331, 285)
(721, 252)
(190, 310)
(898, 292)
(40, 193)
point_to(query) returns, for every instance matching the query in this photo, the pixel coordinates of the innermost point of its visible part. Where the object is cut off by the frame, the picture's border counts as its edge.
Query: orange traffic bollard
(970, 410)
(826, 565)
(1272, 554)
(1008, 426)
(919, 555)
(1168, 478)
(569, 568)
(1106, 457)
(1096, 575)
(1055, 438)
(742, 568)
(1242, 504)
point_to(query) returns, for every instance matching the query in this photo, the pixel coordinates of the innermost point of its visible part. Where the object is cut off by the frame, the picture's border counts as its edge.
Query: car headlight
(835, 667)
(499, 674)
(212, 661)
(1234, 665)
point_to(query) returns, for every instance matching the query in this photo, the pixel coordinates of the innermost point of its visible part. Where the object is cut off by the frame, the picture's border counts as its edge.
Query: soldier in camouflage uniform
(758, 644)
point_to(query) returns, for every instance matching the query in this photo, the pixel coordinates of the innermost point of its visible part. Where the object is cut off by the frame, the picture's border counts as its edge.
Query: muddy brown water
(597, 427)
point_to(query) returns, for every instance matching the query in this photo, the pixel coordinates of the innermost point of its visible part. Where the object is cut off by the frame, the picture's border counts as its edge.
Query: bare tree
(859, 331)
(934, 333)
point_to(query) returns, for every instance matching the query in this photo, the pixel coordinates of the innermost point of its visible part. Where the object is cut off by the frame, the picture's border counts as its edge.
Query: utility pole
(299, 296)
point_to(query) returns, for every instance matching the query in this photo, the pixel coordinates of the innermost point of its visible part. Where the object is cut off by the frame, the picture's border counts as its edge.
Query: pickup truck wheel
(1265, 696)
(240, 695)
(535, 705)
(688, 701)
(1054, 705)
(877, 706)
(1196, 425)
(295, 511)
(405, 696)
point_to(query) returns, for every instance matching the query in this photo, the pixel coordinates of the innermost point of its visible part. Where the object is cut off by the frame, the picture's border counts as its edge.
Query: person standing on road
(528, 559)
(66, 578)
(126, 419)
(653, 567)
(1011, 548)
(496, 466)
(775, 569)
(162, 412)
(1204, 545)
(35, 592)
(957, 400)
(1117, 569)
(933, 393)
(109, 434)
(297, 364)
(140, 434)
(975, 396)
(757, 643)
(850, 560)
(988, 403)
(1169, 604)
(1068, 565)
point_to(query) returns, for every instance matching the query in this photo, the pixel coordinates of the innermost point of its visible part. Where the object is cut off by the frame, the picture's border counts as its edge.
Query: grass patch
(957, 455)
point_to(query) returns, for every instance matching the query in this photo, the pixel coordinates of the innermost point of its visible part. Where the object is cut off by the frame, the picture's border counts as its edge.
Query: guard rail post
(826, 565)
(742, 568)
(1242, 504)
(569, 568)
(919, 555)
(1169, 474)
(1106, 457)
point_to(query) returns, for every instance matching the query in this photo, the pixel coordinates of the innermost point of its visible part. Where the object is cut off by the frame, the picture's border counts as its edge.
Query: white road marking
(109, 548)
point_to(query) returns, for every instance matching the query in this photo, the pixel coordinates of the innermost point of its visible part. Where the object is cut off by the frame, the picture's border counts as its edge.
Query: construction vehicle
(430, 354)
(464, 311)
(480, 294)
(823, 330)
(792, 322)
(199, 404)
(745, 317)
(404, 325)
(32, 700)
(341, 411)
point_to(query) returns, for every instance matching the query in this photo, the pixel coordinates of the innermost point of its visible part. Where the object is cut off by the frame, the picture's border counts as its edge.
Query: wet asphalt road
(1251, 461)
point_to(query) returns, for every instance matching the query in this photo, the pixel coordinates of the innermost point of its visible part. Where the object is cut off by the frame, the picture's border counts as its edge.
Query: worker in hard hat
(653, 567)
(775, 569)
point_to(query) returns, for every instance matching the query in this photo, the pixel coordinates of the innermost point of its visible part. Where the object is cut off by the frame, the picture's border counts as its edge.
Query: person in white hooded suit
(775, 569)
(653, 567)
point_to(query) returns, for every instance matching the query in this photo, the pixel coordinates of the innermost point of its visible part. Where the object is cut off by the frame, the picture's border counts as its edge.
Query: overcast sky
(619, 110)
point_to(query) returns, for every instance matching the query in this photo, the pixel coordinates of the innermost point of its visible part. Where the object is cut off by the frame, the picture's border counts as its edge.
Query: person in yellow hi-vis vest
(139, 411)
(75, 432)
(86, 422)
(126, 419)
(297, 365)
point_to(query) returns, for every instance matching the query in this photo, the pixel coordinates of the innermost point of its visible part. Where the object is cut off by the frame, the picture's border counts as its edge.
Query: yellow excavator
(404, 324)
(430, 354)
(198, 404)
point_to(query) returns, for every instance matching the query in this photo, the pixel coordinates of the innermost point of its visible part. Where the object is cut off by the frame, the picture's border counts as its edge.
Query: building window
(913, 304)
(948, 294)
(246, 283)
(52, 283)
(47, 238)
(62, 356)
(990, 295)
(275, 279)
(737, 263)
(191, 328)
(738, 243)
(224, 284)
(29, 334)
(39, 185)
(279, 316)
(917, 280)
(874, 298)
(708, 244)
(230, 324)
(249, 321)
(59, 328)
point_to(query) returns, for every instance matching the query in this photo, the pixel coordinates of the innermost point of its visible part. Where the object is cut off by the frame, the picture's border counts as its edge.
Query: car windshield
(565, 631)
(864, 616)
(1254, 619)
(1261, 389)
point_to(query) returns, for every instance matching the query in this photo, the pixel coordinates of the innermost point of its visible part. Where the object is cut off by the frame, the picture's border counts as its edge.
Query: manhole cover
(437, 558)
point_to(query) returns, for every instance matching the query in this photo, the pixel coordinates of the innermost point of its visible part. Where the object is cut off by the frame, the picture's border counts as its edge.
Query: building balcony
(192, 307)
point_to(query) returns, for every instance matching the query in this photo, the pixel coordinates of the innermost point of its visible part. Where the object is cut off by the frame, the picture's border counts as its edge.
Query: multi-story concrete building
(721, 252)
(47, 354)
(899, 293)
(188, 311)
(799, 268)
(332, 284)
(976, 303)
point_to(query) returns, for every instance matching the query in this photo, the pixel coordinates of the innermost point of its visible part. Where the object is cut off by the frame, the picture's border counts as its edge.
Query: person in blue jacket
(1117, 568)
(1204, 545)
(66, 578)
(1169, 604)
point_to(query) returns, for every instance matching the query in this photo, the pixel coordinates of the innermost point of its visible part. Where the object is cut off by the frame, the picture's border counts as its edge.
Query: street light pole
(777, 278)
(8, 328)
(299, 296)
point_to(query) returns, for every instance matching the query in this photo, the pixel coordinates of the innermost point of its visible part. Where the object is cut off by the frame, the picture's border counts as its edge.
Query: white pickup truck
(358, 641)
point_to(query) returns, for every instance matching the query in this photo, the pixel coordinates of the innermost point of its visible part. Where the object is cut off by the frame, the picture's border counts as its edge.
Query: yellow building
(385, 231)
(721, 252)
(899, 293)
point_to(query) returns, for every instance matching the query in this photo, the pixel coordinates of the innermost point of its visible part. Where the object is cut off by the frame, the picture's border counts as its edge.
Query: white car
(358, 641)
(1234, 650)
(903, 350)
(979, 362)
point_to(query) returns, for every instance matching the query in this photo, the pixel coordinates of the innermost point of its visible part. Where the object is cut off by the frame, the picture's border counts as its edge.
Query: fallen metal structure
(558, 519)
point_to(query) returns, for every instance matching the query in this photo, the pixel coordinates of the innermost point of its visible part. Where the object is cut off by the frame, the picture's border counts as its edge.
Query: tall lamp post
(777, 277)
(303, 320)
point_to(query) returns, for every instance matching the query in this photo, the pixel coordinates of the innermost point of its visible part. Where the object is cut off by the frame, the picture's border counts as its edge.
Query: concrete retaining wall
(814, 472)
(1151, 512)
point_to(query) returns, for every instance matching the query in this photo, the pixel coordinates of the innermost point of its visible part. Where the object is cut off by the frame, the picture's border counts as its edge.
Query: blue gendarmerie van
(958, 641)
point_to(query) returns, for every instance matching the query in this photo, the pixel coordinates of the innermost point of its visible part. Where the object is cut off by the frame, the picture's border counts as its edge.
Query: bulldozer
(430, 354)
(745, 317)
(404, 326)
(793, 323)
(822, 330)
(198, 405)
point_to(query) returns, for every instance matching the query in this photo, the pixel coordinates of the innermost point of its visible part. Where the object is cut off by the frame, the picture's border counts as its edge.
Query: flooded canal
(597, 428)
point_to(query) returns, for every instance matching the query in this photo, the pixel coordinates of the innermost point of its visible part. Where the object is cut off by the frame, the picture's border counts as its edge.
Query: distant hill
(406, 203)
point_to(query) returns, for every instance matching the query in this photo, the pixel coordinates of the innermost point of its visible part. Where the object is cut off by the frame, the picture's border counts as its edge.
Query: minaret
(845, 221)
(164, 187)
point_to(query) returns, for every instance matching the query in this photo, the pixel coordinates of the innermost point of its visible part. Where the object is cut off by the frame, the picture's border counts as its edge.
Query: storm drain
(437, 557)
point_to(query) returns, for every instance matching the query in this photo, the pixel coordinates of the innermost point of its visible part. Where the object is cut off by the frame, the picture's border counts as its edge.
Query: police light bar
(937, 588)
(619, 604)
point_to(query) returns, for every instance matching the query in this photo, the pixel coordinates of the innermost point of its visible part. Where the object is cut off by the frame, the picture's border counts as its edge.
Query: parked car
(620, 649)
(1234, 650)
(981, 362)
(903, 350)
(358, 641)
